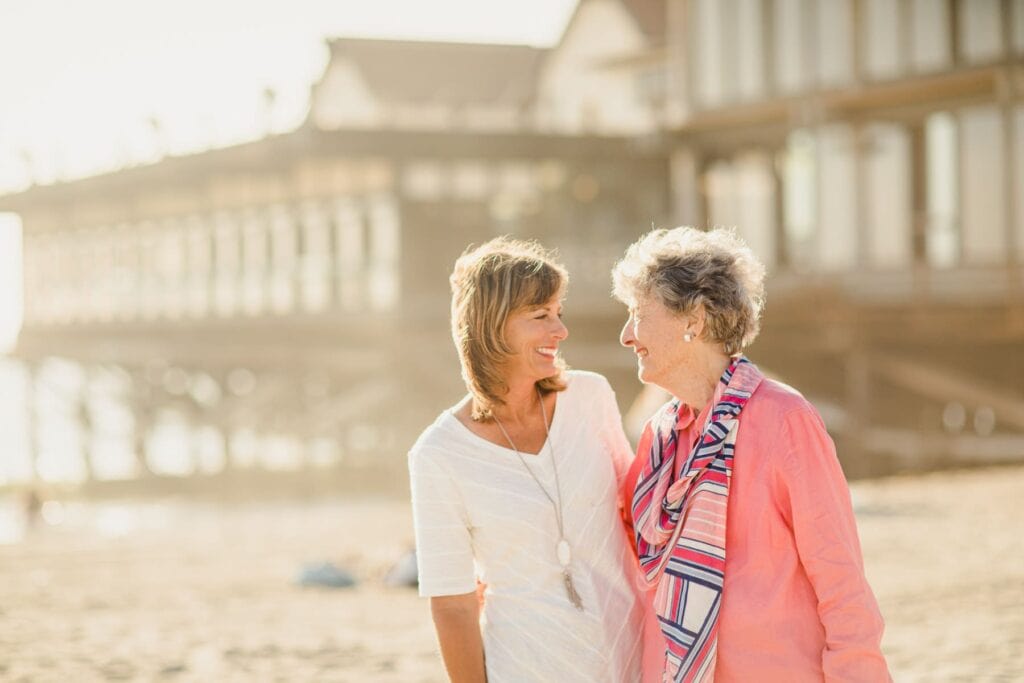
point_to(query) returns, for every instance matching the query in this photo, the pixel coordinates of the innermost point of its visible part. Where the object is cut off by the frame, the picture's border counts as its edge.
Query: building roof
(279, 153)
(452, 73)
(650, 16)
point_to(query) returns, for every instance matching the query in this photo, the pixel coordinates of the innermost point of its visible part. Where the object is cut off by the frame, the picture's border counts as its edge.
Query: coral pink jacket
(795, 603)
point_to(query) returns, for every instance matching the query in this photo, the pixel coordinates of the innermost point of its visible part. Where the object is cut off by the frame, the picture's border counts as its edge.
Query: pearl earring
(687, 337)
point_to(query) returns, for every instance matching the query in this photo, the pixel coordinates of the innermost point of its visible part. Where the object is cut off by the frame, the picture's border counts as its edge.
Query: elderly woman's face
(534, 334)
(655, 334)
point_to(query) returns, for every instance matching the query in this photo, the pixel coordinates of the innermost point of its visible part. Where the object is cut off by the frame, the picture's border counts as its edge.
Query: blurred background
(225, 235)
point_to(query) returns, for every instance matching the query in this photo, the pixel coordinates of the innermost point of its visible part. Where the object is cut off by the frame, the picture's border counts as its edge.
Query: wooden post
(858, 402)
(1008, 99)
(141, 398)
(85, 427)
(32, 421)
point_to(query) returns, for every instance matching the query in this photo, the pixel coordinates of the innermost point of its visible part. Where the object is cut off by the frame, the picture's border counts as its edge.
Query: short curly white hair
(686, 268)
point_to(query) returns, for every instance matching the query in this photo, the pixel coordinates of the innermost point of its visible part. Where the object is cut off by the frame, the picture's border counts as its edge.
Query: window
(255, 262)
(1018, 152)
(349, 244)
(199, 265)
(424, 180)
(149, 278)
(791, 70)
(385, 245)
(799, 203)
(316, 258)
(748, 47)
(979, 23)
(880, 39)
(755, 187)
(470, 180)
(942, 239)
(930, 48)
(706, 33)
(982, 173)
(835, 42)
(888, 223)
(838, 236)
(227, 263)
(171, 267)
(1018, 25)
(719, 186)
(283, 256)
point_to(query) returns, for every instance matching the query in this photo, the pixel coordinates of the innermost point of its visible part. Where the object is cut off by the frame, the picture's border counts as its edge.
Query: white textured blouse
(479, 514)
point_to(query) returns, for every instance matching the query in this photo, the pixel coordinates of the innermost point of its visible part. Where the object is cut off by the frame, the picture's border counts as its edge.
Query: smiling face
(533, 334)
(656, 335)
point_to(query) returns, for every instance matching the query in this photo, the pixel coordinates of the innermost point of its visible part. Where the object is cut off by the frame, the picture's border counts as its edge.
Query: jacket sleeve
(815, 494)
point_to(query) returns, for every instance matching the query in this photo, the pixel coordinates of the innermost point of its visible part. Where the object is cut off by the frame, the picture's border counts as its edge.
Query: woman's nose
(626, 337)
(561, 331)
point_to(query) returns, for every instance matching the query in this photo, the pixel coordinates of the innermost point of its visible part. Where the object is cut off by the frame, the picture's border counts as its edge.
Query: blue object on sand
(325, 575)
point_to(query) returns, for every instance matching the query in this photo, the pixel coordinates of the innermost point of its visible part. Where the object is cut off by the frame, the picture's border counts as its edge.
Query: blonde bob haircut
(489, 283)
(686, 269)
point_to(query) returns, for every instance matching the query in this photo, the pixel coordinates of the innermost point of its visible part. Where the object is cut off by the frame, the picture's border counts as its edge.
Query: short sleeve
(444, 551)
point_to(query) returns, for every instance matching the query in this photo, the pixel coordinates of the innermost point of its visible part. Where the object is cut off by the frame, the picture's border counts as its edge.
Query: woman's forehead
(553, 302)
(645, 299)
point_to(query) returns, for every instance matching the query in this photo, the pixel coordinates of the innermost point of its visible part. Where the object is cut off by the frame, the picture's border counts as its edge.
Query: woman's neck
(697, 384)
(521, 403)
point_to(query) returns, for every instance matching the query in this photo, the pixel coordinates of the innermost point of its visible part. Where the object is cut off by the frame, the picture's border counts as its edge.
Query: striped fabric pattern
(680, 525)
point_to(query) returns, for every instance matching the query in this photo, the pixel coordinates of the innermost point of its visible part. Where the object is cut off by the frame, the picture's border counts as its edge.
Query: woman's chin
(545, 370)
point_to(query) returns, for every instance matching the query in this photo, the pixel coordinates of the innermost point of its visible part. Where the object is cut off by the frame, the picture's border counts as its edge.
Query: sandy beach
(187, 591)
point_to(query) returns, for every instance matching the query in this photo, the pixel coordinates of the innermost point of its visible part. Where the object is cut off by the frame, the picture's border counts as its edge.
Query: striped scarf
(679, 525)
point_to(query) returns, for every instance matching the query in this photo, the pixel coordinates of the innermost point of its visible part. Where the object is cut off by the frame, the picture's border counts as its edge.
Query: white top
(479, 514)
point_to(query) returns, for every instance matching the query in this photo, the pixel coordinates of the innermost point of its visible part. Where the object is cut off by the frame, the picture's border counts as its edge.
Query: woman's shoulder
(779, 398)
(437, 438)
(582, 381)
(776, 403)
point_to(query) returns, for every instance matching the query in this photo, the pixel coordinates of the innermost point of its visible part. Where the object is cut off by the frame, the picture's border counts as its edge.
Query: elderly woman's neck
(696, 385)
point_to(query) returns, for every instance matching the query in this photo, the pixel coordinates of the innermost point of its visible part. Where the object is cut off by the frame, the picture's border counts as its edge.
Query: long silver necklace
(562, 550)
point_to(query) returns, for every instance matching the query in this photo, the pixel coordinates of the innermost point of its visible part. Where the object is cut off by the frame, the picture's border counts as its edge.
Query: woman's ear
(694, 323)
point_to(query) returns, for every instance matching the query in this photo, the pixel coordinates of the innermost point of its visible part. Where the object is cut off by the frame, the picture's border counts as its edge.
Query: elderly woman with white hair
(741, 515)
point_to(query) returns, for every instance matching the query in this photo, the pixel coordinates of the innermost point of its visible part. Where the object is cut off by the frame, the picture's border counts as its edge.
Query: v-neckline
(544, 446)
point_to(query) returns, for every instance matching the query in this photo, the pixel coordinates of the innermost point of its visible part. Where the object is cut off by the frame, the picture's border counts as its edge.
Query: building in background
(290, 295)
(872, 153)
(283, 303)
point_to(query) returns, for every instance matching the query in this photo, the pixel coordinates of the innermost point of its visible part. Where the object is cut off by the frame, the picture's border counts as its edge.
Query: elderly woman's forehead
(647, 298)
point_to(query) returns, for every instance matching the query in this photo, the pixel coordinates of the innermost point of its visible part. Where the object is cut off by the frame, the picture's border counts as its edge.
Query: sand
(182, 591)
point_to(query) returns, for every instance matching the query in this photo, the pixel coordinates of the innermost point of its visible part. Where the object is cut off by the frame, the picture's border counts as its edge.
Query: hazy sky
(82, 83)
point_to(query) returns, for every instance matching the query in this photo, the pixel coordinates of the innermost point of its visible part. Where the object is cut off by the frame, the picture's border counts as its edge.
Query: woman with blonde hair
(516, 487)
(742, 518)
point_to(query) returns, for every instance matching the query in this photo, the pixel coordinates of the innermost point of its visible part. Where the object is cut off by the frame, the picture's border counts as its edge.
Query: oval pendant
(564, 554)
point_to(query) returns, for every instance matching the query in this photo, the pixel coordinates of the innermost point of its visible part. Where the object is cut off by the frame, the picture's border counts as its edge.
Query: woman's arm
(818, 500)
(444, 554)
(457, 620)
